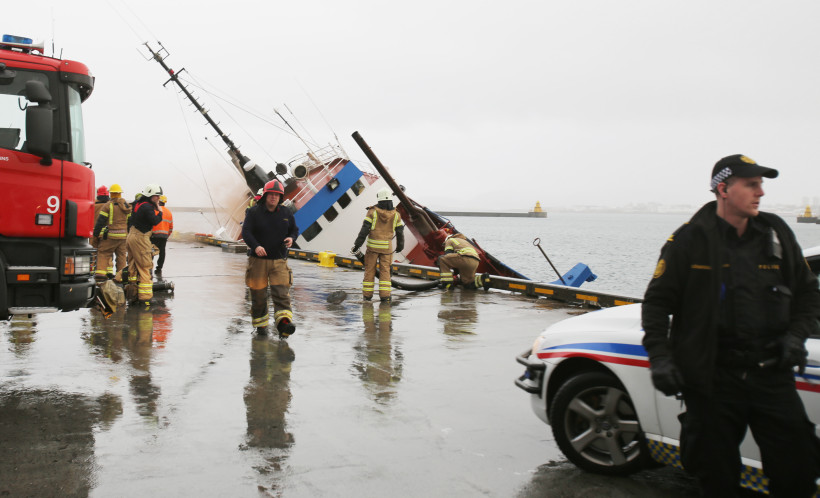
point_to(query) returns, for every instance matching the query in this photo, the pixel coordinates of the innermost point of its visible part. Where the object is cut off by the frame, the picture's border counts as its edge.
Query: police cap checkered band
(738, 165)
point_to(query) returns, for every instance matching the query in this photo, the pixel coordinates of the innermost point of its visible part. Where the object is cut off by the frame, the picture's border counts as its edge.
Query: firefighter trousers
(373, 260)
(109, 249)
(275, 274)
(766, 401)
(140, 263)
(465, 265)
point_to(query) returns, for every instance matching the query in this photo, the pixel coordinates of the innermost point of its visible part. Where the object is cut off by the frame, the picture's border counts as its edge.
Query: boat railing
(318, 157)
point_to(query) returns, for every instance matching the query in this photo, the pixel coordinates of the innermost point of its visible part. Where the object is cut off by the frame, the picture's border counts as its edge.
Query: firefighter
(102, 198)
(111, 229)
(255, 199)
(161, 232)
(379, 226)
(146, 215)
(269, 230)
(462, 256)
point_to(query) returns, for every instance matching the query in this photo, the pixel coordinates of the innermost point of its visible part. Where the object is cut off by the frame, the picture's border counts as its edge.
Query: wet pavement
(413, 398)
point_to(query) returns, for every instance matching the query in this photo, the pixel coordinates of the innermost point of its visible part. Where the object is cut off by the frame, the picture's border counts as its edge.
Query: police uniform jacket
(269, 229)
(688, 285)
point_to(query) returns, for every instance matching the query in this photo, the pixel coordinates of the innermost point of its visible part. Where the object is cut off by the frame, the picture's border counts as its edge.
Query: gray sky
(471, 104)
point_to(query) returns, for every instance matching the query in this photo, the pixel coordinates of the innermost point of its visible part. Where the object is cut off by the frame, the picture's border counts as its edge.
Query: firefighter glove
(354, 249)
(793, 353)
(399, 247)
(665, 375)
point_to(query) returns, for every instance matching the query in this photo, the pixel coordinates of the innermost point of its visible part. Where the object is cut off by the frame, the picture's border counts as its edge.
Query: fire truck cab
(46, 186)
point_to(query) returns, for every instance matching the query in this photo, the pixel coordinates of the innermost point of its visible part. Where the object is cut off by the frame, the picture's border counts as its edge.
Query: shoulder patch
(659, 269)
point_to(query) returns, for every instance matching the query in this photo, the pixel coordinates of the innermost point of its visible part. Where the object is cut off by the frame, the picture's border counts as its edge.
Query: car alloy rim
(602, 426)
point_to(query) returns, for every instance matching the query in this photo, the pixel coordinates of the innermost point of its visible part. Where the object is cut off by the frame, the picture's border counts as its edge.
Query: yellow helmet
(115, 189)
(163, 199)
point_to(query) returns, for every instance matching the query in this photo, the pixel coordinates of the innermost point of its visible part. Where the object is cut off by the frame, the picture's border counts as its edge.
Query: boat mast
(254, 175)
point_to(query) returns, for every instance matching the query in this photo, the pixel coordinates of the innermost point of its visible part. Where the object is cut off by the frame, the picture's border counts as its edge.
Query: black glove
(665, 375)
(354, 249)
(399, 247)
(793, 353)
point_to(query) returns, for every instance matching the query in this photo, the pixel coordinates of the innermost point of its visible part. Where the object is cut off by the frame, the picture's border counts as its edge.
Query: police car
(588, 378)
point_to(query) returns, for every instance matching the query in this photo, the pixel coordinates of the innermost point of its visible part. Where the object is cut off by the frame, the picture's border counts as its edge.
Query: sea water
(622, 249)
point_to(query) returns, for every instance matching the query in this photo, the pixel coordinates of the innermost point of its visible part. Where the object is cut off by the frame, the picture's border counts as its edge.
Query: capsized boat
(330, 194)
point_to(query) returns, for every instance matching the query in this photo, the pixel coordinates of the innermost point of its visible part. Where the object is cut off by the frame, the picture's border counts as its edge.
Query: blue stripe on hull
(325, 198)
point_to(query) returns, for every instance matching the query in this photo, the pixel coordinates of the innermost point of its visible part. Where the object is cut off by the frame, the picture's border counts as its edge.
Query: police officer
(380, 225)
(269, 230)
(742, 301)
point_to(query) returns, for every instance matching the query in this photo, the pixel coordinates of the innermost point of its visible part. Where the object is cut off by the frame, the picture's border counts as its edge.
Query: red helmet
(274, 187)
(103, 190)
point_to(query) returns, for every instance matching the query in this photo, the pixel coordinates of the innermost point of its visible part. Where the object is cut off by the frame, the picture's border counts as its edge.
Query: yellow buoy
(537, 208)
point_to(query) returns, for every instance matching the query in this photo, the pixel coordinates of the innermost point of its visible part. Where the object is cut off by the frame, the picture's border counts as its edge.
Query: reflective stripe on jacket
(383, 223)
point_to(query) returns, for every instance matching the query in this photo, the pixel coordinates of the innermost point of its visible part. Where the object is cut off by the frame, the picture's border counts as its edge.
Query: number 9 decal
(53, 204)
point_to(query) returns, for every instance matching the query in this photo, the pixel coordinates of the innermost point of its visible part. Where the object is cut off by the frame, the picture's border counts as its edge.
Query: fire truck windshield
(67, 109)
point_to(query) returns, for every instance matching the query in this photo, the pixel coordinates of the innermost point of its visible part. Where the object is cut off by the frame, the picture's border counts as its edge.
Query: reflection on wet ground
(413, 398)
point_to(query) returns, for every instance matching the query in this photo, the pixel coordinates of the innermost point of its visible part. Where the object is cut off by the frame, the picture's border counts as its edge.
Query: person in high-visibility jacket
(380, 225)
(146, 216)
(111, 230)
(161, 232)
(462, 256)
(102, 198)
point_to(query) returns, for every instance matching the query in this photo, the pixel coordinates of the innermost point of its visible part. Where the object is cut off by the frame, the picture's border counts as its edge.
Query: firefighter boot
(286, 328)
(262, 330)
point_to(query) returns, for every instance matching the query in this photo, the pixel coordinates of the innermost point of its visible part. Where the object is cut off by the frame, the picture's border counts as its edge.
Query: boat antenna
(309, 148)
(338, 142)
(255, 177)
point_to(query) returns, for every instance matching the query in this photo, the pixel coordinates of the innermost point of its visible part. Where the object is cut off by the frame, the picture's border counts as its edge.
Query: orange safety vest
(164, 228)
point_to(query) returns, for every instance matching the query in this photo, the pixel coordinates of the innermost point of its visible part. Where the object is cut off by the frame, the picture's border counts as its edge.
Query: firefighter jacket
(145, 216)
(460, 246)
(689, 284)
(164, 228)
(269, 229)
(112, 220)
(101, 200)
(378, 227)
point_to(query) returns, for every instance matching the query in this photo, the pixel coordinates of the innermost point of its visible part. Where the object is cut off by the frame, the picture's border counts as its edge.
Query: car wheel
(595, 425)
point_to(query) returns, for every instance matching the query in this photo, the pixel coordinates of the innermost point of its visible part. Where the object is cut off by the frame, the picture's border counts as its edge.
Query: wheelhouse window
(344, 200)
(312, 231)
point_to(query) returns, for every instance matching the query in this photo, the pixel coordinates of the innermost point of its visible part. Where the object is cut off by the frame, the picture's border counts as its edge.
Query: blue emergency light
(20, 40)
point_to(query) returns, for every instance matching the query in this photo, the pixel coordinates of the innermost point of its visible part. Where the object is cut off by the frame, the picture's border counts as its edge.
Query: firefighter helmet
(116, 189)
(103, 190)
(163, 199)
(274, 187)
(383, 194)
(151, 190)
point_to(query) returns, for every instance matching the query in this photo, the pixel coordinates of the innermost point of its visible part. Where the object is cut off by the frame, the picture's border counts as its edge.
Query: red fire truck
(46, 187)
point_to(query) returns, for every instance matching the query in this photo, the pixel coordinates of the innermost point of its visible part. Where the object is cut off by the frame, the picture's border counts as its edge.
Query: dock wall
(542, 214)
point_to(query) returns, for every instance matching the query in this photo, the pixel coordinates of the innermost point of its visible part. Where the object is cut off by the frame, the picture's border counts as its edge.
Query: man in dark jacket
(144, 216)
(742, 301)
(269, 230)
